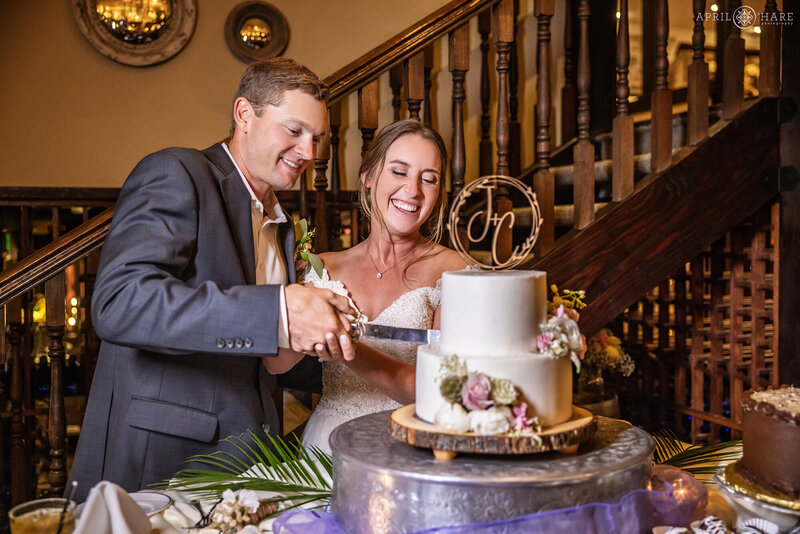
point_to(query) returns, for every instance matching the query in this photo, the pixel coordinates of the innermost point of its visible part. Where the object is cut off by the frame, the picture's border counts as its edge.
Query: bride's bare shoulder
(448, 259)
(339, 261)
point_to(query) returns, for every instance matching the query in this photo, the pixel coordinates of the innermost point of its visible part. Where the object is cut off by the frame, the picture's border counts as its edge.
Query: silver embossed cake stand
(384, 486)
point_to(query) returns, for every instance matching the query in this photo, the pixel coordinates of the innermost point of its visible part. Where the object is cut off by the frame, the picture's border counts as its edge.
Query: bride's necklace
(395, 264)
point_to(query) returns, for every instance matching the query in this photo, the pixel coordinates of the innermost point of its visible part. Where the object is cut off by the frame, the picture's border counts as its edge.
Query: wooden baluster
(335, 114)
(583, 151)
(569, 93)
(415, 84)
(368, 114)
(55, 290)
(396, 83)
(19, 458)
(458, 65)
(514, 132)
(736, 320)
(88, 360)
(427, 68)
(622, 129)
(723, 29)
(661, 99)
(503, 31)
(543, 183)
(769, 61)
(733, 75)
(303, 195)
(5, 454)
(321, 233)
(698, 83)
(485, 147)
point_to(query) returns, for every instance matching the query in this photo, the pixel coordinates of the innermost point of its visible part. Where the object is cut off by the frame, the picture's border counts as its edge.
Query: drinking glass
(42, 516)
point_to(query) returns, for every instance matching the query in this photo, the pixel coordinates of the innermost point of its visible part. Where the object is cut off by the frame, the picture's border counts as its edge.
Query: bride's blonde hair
(372, 164)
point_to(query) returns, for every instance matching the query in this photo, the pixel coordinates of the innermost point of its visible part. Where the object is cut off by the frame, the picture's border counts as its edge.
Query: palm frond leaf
(701, 461)
(297, 475)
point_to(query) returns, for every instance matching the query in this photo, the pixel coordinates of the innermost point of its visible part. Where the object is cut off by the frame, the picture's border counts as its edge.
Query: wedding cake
(491, 322)
(771, 440)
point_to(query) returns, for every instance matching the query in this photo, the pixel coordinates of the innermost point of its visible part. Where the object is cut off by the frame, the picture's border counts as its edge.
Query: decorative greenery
(299, 475)
(701, 461)
(303, 247)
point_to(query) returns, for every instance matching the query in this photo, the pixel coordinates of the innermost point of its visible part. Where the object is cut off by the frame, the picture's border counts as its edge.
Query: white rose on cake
(453, 417)
(491, 421)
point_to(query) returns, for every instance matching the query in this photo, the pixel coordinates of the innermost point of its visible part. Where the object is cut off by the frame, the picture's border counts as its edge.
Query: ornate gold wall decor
(256, 30)
(136, 32)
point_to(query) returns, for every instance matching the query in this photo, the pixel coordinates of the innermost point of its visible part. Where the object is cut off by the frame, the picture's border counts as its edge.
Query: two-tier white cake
(491, 322)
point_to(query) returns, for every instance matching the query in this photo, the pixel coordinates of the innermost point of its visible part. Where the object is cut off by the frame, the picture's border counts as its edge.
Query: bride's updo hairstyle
(372, 164)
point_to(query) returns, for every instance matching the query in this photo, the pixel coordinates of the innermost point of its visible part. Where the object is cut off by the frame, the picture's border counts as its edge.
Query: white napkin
(110, 510)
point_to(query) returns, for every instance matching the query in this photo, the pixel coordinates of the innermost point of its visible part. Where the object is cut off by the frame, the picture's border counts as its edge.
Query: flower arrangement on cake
(560, 336)
(481, 404)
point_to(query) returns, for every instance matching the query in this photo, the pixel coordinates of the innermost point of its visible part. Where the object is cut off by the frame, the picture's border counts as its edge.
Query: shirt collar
(269, 205)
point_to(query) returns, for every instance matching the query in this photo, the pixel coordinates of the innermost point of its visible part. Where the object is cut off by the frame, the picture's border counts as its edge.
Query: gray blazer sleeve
(169, 279)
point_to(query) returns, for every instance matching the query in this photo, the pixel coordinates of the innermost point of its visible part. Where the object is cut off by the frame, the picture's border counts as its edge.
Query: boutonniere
(304, 258)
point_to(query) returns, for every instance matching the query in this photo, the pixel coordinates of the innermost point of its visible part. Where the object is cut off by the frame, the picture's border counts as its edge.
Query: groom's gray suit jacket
(181, 322)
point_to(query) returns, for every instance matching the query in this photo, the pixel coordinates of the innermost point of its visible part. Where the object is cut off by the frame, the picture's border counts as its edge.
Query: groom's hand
(319, 320)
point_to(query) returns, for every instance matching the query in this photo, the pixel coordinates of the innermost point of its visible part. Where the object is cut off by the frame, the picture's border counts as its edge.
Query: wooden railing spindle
(396, 83)
(698, 81)
(733, 75)
(367, 114)
(321, 234)
(503, 31)
(661, 99)
(622, 128)
(514, 131)
(55, 293)
(769, 61)
(458, 65)
(19, 456)
(569, 92)
(335, 114)
(427, 117)
(543, 182)
(583, 151)
(415, 84)
(485, 147)
(304, 195)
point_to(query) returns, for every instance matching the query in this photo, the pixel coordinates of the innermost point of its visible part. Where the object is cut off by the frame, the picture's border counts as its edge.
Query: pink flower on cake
(544, 341)
(521, 421)
(476, 391)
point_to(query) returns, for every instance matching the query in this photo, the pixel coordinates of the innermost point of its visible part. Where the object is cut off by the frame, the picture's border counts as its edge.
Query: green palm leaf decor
(296, 474)
(701, 461)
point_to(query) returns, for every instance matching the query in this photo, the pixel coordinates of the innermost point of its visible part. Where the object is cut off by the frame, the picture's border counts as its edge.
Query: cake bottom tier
(545, 383)
(382, 485)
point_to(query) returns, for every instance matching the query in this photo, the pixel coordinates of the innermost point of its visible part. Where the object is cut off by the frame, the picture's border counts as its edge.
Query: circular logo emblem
(476, 217)
(744, 17)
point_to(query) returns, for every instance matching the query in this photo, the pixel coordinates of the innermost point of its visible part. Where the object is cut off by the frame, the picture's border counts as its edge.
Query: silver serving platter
(384, 486)
(748, 507)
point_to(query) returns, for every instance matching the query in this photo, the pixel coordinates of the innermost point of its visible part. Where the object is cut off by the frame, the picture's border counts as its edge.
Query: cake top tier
(492, 314)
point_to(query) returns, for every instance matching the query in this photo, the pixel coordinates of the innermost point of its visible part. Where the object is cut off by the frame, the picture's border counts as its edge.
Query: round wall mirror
(136, 32)
(256, 30)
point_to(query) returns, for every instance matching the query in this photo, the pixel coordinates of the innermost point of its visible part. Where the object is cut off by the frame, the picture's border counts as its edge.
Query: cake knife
(396, 333)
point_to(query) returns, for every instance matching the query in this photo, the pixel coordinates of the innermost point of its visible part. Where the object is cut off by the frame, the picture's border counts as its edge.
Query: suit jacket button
(239, 343)
(248, 342)
(229, 343)
(265, 427)
(220, 342)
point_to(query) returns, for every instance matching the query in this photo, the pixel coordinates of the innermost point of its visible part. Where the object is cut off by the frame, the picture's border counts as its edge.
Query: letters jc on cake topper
(478, 218)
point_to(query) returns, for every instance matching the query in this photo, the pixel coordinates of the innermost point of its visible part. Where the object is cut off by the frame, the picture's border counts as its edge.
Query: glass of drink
(43, 516)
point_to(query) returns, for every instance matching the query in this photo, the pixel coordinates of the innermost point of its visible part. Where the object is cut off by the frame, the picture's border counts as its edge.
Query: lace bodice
(345, 395)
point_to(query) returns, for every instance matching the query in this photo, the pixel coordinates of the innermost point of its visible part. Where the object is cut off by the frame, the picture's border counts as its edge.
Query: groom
(190, 291)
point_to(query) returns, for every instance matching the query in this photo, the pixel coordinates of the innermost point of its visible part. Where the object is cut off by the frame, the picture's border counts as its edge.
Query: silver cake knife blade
(396, 333)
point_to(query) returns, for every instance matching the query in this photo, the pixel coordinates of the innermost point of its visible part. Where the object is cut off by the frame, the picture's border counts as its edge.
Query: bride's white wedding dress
(345, 395)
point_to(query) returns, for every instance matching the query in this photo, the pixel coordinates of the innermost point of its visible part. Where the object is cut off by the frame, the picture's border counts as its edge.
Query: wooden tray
(404, 426)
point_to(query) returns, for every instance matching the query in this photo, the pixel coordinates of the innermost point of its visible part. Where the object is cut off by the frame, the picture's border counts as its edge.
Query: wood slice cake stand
(404, 426)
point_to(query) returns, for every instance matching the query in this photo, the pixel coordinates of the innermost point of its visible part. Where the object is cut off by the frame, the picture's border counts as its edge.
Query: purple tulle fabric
(638, 512)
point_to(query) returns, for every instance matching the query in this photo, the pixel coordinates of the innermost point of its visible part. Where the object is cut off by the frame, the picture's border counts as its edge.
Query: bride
(393, 277)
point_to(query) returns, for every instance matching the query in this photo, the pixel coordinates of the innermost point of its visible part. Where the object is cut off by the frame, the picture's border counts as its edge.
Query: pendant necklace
(398, 262)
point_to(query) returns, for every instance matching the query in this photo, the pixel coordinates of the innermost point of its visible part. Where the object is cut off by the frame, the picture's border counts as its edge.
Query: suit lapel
(237, 207)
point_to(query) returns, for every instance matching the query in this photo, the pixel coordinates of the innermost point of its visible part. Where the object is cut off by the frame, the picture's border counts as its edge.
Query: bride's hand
(336, 350)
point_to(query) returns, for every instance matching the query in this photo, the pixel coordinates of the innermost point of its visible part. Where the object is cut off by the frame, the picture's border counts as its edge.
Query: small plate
(151, 502)
(747, 507)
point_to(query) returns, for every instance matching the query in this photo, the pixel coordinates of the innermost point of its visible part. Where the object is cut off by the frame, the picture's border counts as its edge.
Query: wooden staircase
(653, 259)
